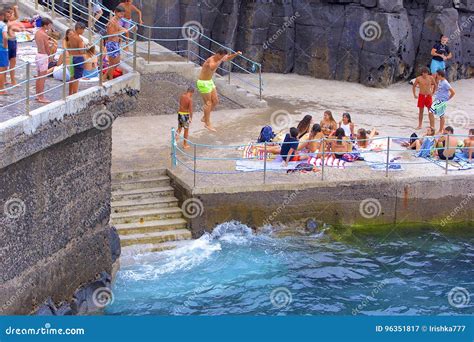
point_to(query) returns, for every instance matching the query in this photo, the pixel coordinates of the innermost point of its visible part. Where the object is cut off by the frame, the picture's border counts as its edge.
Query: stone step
(128, 175)
(150, 226)
(132, 184)
(141, 216)
(151, 248)
(139, 194)
(155, 238)
(144, 204)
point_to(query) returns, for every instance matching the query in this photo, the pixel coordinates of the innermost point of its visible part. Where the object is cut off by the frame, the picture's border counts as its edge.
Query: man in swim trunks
(427, 86)
(42, 58)
(77, 50)
(441, 53)
(206, 85)
(185, 115)
(444, 93)
(11, 17)
(446, 146)
(113, 41)
(130, 8)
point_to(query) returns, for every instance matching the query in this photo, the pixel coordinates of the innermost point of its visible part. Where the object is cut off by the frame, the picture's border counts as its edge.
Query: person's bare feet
(186, 146)
(210, 127)
(419, 127)
(43, 100)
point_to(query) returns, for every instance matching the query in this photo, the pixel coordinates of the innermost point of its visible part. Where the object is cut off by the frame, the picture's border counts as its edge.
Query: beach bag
(266, 134)
(349, 157)
(302, 167)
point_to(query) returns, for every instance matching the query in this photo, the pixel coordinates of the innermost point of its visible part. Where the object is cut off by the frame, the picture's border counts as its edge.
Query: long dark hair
(316, 129)
(340, 134)
(348, 116)
(304, 125)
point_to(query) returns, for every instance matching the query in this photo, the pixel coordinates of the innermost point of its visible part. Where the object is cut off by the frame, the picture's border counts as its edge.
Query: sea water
(234, 271)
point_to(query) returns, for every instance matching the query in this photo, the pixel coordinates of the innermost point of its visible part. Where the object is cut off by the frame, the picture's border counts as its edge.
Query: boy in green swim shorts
(185, 115)
(206, 85)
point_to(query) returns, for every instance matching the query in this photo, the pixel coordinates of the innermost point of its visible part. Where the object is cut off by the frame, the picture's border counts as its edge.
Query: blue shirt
(442, 94)
(3, 32)
(291, 143)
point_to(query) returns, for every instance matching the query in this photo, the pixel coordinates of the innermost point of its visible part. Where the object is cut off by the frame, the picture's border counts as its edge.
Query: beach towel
(426, 147)
(259, 165)
(256, 151)
(329, 162)
(457, 164)
(377, 161)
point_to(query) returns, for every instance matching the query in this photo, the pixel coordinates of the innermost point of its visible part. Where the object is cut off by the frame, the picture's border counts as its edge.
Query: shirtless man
(446, 146)
(11, 17)
(42, 58)
(185, 114)
(113, 41)
(130, 8)
(206, 85)
(428, 87)
(76, 44)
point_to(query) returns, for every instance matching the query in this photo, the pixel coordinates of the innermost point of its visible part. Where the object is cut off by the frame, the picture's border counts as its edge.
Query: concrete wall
(425, 201)
(55, 184)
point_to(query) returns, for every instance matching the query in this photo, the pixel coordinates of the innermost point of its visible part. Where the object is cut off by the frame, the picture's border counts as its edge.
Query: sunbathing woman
(91, 69)
(304, 126)
(416, 145)
(364, 138)
(340, 144)
(313, 145)
(469, 145)
(347, 125)
(328, 124)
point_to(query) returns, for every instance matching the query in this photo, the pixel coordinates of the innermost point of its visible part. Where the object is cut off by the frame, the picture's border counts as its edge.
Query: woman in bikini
(416, 145)
(364, 138)
(328, 124)
(340, 144)
(91, 69)
(313, 145)
(304, 126)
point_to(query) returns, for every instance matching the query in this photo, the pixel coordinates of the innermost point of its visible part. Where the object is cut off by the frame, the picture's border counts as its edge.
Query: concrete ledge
(402, 203)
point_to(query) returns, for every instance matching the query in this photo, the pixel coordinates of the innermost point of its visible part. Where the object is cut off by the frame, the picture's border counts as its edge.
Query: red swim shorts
(425, 101)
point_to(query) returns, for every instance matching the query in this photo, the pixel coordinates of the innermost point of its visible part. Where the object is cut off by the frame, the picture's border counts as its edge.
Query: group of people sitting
(341, 141)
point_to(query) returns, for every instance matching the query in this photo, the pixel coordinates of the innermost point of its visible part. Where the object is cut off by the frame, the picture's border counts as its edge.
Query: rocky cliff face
(374, 42)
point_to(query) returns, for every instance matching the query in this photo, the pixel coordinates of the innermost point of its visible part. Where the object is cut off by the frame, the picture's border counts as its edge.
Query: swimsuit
(205, 86)
(439, 108)
(113, 49)
(425, 101)
(441, 153)
(91, 73)
(42, 62)
(183, 120)
(12, 47)
(78, 62)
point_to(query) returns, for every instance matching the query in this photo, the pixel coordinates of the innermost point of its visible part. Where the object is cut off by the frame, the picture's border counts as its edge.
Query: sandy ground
(143, 142)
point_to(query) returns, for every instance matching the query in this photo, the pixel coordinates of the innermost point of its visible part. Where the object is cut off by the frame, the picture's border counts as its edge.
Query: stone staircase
(145, 211)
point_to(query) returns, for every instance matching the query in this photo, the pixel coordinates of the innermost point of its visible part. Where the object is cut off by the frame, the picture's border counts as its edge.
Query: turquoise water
(234, 272)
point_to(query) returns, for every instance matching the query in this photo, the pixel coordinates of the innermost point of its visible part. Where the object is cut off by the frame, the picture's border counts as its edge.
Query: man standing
(42, 58)
(11, 17)
(185, 115)
(77, 49)
(206, 85)
(3, 51)
(427, 86)
(444, 93)
(113, 41)
(441, 53)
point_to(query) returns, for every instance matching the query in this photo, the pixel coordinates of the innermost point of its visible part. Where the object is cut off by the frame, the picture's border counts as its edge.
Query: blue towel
(425, 149)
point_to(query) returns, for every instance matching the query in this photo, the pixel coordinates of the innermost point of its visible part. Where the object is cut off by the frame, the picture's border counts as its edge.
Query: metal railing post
(28, 74)
(260, 80)
(230, 72)
(64, 76)
(387, 166)
(135, 50)
(446, 144)
(149, 45)
(265, 165)
(36, 5)
(195, 164)
(323, 159)
(101, 62)
(173, 147)
(53, 5)
(89, 19)
(189, 50)
(70, 13)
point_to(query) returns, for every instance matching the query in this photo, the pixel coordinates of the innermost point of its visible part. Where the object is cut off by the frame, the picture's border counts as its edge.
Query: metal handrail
(194, 157)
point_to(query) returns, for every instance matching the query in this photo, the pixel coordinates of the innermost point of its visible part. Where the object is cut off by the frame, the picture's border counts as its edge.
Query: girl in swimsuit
(313, 145)
(347, 125)
(304, 126)
(341, 144)
(328, 124)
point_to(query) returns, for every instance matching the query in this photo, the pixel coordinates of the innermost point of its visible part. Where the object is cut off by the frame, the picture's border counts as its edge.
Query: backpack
(266, 134)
